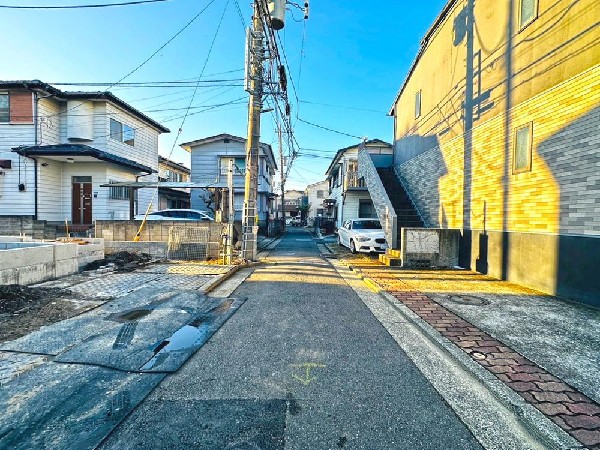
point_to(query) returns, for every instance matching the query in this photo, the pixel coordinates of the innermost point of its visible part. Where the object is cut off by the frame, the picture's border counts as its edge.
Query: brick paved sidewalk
(570, 409)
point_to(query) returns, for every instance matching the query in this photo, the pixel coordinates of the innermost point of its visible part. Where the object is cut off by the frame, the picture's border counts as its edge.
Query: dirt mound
(121, 261)
(15, 299)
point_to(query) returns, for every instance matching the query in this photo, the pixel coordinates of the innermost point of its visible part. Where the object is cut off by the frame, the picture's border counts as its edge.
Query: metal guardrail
(381, 202)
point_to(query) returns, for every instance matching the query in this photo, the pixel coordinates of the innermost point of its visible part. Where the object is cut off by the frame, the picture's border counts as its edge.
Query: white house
(57, 148)
(348, 195)
(316, 193)
(173, 172)
(210, 158)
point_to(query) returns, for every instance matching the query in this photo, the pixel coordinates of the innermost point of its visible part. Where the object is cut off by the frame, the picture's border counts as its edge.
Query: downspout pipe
(35, 162)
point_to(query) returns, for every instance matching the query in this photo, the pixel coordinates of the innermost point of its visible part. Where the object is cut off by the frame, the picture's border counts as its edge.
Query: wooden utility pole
(255, 73)
(282, 176)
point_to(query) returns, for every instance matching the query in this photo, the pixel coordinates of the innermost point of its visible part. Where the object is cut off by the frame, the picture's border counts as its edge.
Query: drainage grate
(468, 300)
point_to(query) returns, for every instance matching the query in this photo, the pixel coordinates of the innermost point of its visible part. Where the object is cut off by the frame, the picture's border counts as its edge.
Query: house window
(4, 108)
(522, 151)
(175, 177)
(121, 132)
(320, 194)
(118, 192)
(418, 104)
(239, 166)
(528, 10)
(366, 210)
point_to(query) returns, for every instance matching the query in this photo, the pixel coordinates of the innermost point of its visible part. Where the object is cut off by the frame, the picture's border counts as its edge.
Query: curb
(207, 288)
(533, 420)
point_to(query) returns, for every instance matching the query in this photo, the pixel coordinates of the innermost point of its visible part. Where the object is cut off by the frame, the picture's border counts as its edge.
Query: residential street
(303, 364)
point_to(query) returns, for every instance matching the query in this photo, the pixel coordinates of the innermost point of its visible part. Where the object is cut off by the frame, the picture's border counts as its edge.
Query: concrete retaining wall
(119, 234)
(565, 266)
(33, 262)
(430, 247)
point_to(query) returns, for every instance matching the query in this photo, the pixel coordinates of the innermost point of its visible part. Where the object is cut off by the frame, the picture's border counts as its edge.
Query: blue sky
(356, 55)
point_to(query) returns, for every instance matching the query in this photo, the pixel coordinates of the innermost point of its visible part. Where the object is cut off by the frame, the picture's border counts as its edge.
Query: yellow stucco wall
(554, 65)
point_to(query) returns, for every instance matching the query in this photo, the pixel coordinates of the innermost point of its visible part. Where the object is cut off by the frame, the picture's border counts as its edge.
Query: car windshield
(366, 225)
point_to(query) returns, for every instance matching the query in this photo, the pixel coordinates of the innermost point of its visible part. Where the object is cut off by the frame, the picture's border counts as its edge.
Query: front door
(82, 200)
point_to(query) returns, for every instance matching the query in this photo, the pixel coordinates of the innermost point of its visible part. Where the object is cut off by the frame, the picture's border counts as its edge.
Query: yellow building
(497, 133)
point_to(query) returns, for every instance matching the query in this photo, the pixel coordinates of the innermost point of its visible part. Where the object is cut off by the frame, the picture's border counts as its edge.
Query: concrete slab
(62, 406)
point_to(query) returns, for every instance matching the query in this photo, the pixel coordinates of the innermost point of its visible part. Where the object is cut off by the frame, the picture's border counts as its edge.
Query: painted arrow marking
(306, 378)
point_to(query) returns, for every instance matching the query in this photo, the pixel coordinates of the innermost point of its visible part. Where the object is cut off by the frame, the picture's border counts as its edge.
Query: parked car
(296, 221)
(362, 235)
(177, 214)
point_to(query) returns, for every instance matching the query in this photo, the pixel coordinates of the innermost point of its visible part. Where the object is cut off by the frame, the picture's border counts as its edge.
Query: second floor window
(121, 132)
(239, 166)
(418, 104)
(173, 176)
(522, 149)
(4, 108)
(320, 194)
(527, 12)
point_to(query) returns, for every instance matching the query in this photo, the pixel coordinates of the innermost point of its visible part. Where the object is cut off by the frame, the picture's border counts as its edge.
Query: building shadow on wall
(578, 255)
(427, 167)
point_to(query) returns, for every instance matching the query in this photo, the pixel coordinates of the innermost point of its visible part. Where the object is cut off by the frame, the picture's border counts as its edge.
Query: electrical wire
(187, 25)
(105, 5)
(329, 129)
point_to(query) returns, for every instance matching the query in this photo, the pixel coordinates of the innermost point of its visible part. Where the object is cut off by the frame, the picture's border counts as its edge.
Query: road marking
(306, 379)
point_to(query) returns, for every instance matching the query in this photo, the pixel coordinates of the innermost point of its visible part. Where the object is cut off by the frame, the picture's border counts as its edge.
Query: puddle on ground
(187, 337)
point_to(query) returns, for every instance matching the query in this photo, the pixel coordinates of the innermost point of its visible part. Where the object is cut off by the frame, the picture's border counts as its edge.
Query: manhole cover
(469, 300)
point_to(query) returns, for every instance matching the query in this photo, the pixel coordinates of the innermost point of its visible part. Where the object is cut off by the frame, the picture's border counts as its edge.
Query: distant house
(57, 148)
(293, 201)
(173, 172)
(348, 196)
(316, 193)
(210, 161)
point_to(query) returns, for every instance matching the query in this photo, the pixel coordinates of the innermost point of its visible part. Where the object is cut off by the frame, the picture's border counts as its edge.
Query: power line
(343, 107)
(330, 129)
(152, 55)
(105, 5)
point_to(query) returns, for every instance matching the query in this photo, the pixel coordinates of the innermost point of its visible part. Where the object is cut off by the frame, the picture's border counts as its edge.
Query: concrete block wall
(26, 225)
(155, 231)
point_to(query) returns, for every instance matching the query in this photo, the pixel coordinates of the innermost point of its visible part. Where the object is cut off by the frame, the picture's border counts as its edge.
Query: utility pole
(255, 54)
(282, 176)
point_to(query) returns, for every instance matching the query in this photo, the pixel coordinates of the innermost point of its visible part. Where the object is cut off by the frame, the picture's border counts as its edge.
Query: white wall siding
(50, 186)
(49, 118)
(145, 149)
(13, 202)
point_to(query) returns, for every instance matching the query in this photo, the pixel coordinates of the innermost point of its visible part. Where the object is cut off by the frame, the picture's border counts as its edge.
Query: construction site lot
(25, 309)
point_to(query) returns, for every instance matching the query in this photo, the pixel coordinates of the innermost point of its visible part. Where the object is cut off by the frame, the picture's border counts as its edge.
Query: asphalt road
(302, 364)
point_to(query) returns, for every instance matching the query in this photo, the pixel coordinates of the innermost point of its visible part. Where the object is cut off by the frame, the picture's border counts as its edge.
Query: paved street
(303, 364)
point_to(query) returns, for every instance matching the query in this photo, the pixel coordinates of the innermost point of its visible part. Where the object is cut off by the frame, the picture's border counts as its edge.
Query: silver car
(362, 235)
(177, 214)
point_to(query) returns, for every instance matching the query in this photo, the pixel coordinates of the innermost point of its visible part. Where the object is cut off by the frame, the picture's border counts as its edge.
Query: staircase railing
(381, 202)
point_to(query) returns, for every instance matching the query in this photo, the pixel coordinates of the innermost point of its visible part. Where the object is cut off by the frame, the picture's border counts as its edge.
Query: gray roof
(226, 136)
(81, 150)
(37, 85)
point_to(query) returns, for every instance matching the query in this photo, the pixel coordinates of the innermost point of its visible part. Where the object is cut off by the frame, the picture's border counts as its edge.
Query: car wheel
(352, 247)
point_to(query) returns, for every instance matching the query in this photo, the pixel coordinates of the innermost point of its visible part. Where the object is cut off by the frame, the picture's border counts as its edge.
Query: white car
(362, 235)
(177, 214)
